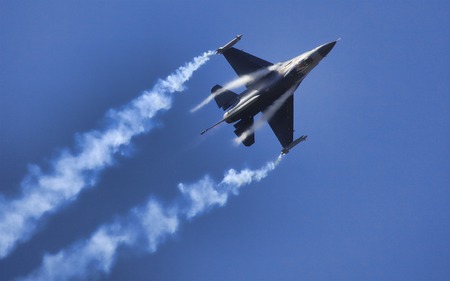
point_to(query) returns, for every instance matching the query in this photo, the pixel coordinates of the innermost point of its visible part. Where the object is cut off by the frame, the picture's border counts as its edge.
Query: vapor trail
(144, 227)
(72, 171)
(236, 83)
(267, 115)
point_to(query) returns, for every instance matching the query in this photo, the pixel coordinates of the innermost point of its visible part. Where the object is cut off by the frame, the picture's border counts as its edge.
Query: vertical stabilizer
(224, 98)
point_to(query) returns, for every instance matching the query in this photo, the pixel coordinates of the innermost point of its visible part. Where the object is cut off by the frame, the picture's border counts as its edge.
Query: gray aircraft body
(270, 89)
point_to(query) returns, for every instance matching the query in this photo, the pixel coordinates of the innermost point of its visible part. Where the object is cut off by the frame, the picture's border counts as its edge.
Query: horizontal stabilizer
(225, 99)
(243, 126)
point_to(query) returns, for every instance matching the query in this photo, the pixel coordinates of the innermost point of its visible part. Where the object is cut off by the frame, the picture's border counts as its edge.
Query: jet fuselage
(281, 78)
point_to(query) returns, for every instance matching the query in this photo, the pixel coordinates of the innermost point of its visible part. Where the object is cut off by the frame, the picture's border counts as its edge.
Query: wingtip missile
(228, 45)
(290, 146)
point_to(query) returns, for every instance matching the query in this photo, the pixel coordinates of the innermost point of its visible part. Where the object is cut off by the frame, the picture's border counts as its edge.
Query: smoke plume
(44, 193)
(144, 227)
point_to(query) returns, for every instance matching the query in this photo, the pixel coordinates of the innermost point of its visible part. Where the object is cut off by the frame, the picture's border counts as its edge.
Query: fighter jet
(271, 90)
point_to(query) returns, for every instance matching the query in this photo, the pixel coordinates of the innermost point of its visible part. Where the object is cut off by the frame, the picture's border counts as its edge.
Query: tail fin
(225, 99)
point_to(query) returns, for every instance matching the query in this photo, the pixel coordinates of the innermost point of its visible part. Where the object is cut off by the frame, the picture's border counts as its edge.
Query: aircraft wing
(282, 122)
(244, 63)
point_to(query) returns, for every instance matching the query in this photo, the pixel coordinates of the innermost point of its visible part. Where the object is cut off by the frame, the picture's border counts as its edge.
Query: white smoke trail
(45, 193)
(236, 83)
(206, 193)
(145, 227)
(267, 115)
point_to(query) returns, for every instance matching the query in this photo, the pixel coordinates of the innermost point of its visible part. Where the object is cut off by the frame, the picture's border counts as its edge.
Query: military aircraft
(271, 90)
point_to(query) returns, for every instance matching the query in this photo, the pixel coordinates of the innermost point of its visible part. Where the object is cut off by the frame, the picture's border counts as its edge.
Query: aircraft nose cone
(325, 49)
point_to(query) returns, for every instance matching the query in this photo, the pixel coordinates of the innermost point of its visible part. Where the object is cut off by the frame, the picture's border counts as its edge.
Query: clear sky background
(366, 197)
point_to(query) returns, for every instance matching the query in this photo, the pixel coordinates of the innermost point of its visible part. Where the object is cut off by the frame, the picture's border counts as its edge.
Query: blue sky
(366, 197)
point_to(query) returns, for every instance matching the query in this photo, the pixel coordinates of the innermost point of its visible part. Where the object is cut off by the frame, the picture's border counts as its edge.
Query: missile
(288, 147)
(228, 45)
